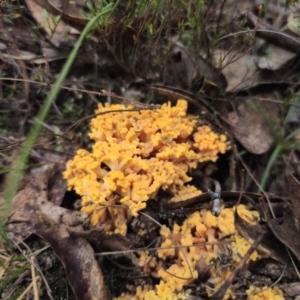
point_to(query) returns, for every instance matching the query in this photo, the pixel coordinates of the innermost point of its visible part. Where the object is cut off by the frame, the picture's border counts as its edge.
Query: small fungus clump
(204, 245)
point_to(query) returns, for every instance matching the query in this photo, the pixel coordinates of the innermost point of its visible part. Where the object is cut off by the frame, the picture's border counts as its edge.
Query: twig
(271, 34)
(34, 280)
(102, 93)
(261, 189)
(26, 290)
(222, 290)
(179, 246)
(155, 249)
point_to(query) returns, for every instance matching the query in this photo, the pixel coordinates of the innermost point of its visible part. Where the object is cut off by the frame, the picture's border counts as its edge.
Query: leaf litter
(222, 79)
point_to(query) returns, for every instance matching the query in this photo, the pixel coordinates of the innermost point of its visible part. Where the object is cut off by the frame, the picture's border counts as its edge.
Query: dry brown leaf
(57, 30)
(57, 185)
(270, 33)
(46, 182)
(292, 289)
(202, 269)
(250, 127)
(32, 214)
(196, 72)
(19, 224)
(83, 272)
(60, 215)
(285, 231)
(70, 11)
(275, 58)
(64, 230)
(240, 70)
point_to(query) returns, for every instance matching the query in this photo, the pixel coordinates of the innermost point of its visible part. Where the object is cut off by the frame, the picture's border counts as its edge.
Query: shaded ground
(237, 65)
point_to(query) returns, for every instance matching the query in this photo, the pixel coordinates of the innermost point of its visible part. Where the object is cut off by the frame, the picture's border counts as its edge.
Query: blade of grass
(15, 175)
(271, 161)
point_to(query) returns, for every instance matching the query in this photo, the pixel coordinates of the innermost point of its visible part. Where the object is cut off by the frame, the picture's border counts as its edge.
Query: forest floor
(167, 199)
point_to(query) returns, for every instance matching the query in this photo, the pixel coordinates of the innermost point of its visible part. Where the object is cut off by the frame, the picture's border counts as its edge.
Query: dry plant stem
(158, 88)
(102, 93)
(133, 258)
(95, 115)
(49, 292)
(261, 189)
(271, 100)
(27, 290)
(271, 34)
(41, 250)
(293, 262)
(262, 290)
(4, 264)
(222, 290)
(155, 249)
(261, 30)
(34, 280)
(294, 189)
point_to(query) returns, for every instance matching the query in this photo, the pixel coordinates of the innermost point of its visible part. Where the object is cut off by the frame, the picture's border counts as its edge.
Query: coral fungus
(198, 238)
(265, 293)
(137, 153)
(203, 243)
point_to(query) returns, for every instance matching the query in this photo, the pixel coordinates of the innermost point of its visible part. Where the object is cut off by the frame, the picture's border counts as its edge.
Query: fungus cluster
(204, 245)
(135, 155)
(265, 293)
(199, 239)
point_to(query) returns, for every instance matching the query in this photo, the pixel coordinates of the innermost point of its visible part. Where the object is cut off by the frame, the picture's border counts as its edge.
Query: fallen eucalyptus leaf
(75, 253)
(250, 126)
(196, 72)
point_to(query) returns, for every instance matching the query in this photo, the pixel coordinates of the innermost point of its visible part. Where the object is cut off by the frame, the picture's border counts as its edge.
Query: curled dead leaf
(285, 229)
(75, 253)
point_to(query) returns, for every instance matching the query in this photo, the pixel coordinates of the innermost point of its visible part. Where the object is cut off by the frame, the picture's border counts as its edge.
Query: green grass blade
(271, 161)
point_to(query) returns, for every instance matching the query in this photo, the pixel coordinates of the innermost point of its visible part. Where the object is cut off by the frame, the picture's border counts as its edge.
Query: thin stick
(26, 290)
(102, 93)
(34, 280)
(256, 182)
(49, 292)
(222, 290)
(179, 246)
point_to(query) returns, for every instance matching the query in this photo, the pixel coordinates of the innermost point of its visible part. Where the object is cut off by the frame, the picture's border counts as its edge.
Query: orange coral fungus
(137, 153)
(265, 293)
(198, 237)
(194, 247)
